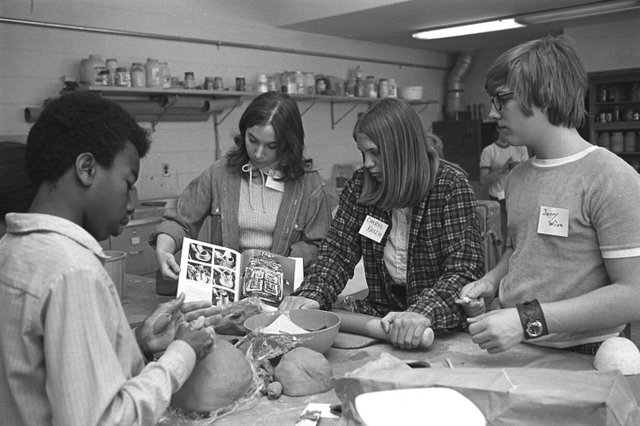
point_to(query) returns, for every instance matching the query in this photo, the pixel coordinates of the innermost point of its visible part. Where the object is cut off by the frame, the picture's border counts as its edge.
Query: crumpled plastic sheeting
(509, 396)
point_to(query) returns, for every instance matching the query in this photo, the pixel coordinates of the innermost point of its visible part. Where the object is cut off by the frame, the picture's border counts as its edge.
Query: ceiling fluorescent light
(565, 13)
(477, 28)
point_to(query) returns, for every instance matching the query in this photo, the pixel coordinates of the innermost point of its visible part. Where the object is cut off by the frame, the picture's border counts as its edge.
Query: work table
(450, 350)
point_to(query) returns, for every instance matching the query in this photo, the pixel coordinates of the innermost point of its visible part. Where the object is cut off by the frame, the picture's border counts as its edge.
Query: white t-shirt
(591, 202)
(494, 156)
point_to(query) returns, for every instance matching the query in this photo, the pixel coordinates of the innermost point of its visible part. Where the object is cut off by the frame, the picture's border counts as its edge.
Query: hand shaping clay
(618, 353)
(217, 380)
(303, 371)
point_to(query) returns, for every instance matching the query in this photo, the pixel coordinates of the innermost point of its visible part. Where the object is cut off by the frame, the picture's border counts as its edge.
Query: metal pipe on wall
(218, 43)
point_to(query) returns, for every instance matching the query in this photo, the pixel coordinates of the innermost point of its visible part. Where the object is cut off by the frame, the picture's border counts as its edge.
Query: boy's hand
(200, 339)
(472, 307)
(496, 331)
(159, 328)
(477, 293)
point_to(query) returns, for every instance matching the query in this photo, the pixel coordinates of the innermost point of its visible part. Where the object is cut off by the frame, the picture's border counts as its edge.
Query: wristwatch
(532, 319)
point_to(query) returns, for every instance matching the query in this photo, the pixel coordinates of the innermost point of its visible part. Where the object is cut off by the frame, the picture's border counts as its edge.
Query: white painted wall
(33, 59)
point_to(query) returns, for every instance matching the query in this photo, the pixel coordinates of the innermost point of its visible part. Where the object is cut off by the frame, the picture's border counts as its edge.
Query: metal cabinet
(141, 257)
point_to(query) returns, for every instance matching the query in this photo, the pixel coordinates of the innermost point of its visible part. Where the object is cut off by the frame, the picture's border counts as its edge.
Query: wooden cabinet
(614, 112)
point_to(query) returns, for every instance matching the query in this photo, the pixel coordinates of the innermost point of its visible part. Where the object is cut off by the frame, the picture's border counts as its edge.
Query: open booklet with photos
(222, 275)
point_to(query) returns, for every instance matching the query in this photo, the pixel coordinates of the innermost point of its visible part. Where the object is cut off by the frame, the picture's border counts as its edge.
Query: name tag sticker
(278, 185)
(553, 221)
(373, 229)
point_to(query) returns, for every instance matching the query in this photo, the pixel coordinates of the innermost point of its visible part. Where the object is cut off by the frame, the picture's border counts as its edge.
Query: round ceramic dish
(322, 326)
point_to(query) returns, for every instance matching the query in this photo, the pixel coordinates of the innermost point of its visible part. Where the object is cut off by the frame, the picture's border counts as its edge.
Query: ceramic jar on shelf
(617, 142)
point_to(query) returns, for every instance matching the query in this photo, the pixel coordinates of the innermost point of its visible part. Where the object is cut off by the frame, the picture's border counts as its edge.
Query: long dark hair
(280, 111)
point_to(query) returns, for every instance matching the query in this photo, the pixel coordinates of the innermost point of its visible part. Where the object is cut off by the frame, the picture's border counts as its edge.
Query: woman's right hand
(298, 302)
(165, 247)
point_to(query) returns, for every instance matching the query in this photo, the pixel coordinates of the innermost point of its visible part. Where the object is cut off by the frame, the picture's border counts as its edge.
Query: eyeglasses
(499, 99)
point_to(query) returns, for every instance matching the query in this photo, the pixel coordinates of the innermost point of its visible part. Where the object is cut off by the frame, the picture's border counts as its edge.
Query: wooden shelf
(611, 126)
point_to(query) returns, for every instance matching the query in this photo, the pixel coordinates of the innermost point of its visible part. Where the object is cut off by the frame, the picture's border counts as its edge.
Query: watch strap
(532, 319)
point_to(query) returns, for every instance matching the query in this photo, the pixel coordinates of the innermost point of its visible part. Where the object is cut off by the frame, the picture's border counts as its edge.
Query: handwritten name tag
(553, 221)
(373, 229)
(278, 185)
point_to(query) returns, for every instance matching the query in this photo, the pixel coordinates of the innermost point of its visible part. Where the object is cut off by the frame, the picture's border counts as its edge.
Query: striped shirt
(68, 356)
(445, 252)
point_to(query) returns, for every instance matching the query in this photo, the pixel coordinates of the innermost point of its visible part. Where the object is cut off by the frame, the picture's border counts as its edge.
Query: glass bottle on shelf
(370, 90)
(604, 140)
(309, 83)
(138, 75)
(111, 64)
(393, 88)
(630, 141)
(165, 75)
(262, 83)
(152, 71)
(617, 142)
(358, 90)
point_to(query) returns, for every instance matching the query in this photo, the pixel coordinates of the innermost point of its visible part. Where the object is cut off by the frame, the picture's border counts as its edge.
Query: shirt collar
(26, 223)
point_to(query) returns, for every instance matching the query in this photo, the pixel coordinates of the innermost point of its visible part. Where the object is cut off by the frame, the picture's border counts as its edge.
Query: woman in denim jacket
(259, 196)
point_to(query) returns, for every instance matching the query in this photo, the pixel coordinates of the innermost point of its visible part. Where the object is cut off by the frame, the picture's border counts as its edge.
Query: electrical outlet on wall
(166, 171)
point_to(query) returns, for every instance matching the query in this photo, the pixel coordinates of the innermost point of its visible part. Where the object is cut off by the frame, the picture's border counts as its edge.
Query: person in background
(412, 218)
(16, 190)
(572, 276)
(496, 161)
(68, 355)
(259, 196)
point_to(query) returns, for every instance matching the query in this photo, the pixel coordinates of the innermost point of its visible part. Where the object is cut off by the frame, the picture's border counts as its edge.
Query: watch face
(534, 328)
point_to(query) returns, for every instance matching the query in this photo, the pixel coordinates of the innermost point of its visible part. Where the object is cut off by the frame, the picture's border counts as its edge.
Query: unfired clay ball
(217, 380)
(303, 371)
(618, 353)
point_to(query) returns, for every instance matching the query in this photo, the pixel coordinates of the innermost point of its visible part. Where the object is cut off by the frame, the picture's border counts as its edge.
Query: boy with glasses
(571, 277)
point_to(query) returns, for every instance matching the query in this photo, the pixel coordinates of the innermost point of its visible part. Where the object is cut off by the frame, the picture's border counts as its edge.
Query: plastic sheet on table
(260, 347)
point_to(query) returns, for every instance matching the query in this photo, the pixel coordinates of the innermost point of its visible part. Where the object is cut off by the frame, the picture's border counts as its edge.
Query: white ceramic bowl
(411, 93)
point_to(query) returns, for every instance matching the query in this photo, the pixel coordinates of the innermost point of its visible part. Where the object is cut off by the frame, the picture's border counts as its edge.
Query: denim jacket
(303, 219)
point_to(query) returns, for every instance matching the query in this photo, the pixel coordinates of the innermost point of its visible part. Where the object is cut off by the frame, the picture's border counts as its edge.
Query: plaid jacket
(445, 252)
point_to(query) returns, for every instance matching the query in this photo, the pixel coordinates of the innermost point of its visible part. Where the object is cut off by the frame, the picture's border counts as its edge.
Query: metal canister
(217, 83)
(208, 83)
(240, 84)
